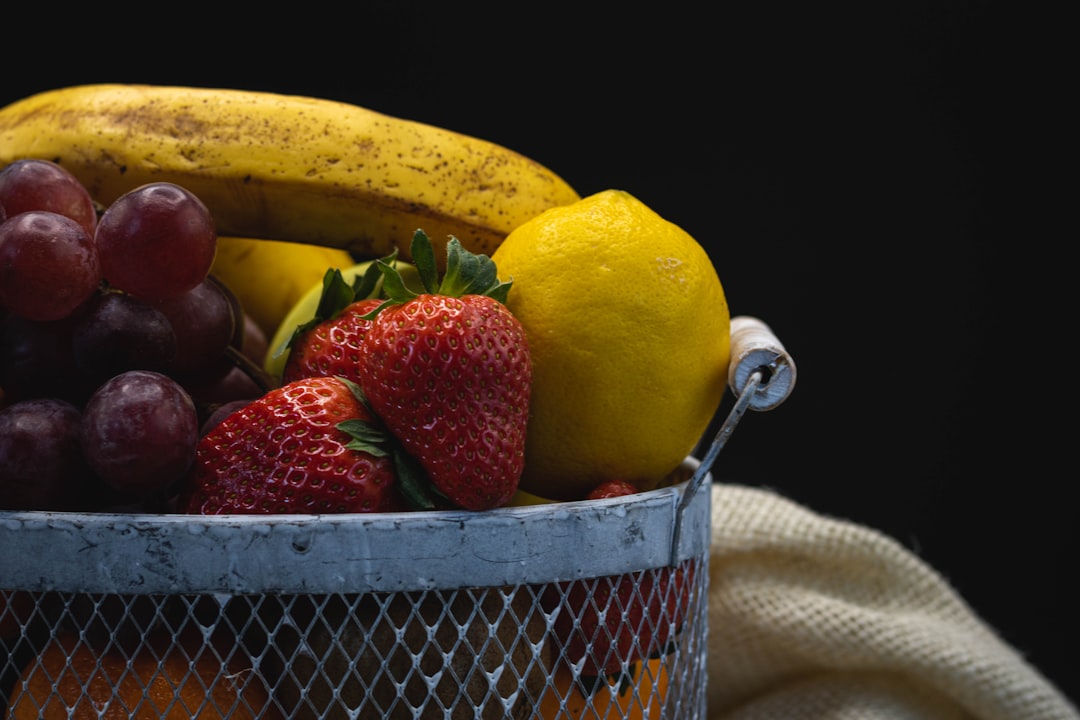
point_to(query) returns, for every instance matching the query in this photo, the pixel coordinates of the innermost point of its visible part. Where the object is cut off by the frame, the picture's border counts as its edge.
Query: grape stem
(260, 377)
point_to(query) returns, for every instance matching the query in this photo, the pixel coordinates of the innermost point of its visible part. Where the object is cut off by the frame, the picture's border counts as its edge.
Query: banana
(287, 167)
(268, 277)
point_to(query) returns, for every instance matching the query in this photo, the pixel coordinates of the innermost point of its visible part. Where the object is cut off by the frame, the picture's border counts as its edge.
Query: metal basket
(447, 614)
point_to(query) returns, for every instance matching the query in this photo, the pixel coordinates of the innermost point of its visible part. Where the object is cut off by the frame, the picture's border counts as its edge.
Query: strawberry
(310, 446)
(606, 622)
(329, 343)
(610, 489)
(331, 347)
(448, 372)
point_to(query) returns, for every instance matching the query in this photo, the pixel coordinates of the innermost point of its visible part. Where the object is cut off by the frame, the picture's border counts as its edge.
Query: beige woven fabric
(812, 617)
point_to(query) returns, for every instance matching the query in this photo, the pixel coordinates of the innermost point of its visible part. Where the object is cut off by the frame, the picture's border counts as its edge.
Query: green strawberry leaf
(456, 277)
(366, 286)
(393, 285)
(413, 482)
(365, 437)
(471, 274)
(499, 291)
(357, 392)
(423, 257)
(336, 294)
(466, 273)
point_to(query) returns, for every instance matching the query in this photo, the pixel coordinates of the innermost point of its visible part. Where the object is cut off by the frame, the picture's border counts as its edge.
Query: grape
(43, 185)
(140, 429)
(119, 332)
(48, 265)
(36, 360)
(237, 384)
(255, 343)
(156, 242)
(205, 321)
(41, 459)
(220, 412)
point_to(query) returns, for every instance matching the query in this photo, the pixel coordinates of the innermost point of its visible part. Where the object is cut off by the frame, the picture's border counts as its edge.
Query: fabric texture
(814, 617)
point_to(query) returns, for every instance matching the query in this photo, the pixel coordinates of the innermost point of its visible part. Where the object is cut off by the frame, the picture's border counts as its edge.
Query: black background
(860, 177)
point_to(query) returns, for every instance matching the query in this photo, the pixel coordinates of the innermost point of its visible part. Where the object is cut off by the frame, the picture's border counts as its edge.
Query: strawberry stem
(466, 273)
(338, 295)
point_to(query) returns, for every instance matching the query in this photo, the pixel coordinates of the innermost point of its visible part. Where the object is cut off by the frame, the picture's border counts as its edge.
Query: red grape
(41, 460)
(156, 242)
(140, 429)
(33, 184)
(36, 360)
(221, 412)
(255, 343)
(119, 332)
(205, 321)
(48, 265)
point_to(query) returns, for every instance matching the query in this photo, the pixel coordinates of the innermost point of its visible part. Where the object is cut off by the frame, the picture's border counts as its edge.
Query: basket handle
(762, 375)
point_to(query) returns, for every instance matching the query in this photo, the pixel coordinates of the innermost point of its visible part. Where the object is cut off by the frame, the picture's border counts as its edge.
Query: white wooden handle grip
(755, 347)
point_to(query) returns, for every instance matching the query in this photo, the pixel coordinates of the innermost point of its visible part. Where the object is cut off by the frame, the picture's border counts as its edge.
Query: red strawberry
(610, 489)
(331, 347)
(329, 343)
(449, 373)
(608, 621)
(309, 446)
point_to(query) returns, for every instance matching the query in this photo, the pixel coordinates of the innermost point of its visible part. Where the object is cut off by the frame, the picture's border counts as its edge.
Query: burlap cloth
(813, 617)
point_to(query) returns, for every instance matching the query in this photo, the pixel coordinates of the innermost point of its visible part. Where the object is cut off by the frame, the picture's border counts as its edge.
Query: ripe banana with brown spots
(286, 167)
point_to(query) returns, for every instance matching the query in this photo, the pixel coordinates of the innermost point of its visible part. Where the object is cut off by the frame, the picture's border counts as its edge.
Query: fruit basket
(336, 602)
(443, 614)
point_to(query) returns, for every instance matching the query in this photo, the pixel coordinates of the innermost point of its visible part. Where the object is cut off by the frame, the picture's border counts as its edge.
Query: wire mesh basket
(592, 609)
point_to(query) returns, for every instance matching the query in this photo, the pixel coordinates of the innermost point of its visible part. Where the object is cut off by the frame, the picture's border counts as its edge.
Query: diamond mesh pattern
(626, 646)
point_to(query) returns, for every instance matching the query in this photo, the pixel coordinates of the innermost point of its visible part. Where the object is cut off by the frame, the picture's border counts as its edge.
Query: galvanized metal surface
(117, 553)
(410, 615)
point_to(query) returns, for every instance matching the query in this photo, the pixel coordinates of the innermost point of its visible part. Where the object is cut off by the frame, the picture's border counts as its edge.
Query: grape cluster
(117, 344)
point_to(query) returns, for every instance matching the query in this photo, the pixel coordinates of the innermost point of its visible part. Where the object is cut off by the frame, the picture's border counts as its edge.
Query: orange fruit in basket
(629, 332)
(185, 679)
(636, 698)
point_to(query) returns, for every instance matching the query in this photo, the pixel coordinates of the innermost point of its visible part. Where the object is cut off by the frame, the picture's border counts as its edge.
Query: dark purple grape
(41, 459)
(205, 321)
(36, 360)
(255, 343)
(156, 241)
(119, 332)
(48, 265)
(237, 384)
(34, 184)
(140, 429)
(219, 413)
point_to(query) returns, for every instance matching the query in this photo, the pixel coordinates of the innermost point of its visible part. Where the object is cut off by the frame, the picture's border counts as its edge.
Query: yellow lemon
(269, 276)
(629, 332)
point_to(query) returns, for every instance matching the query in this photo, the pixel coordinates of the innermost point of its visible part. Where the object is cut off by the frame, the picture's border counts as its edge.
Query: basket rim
(361, 552)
